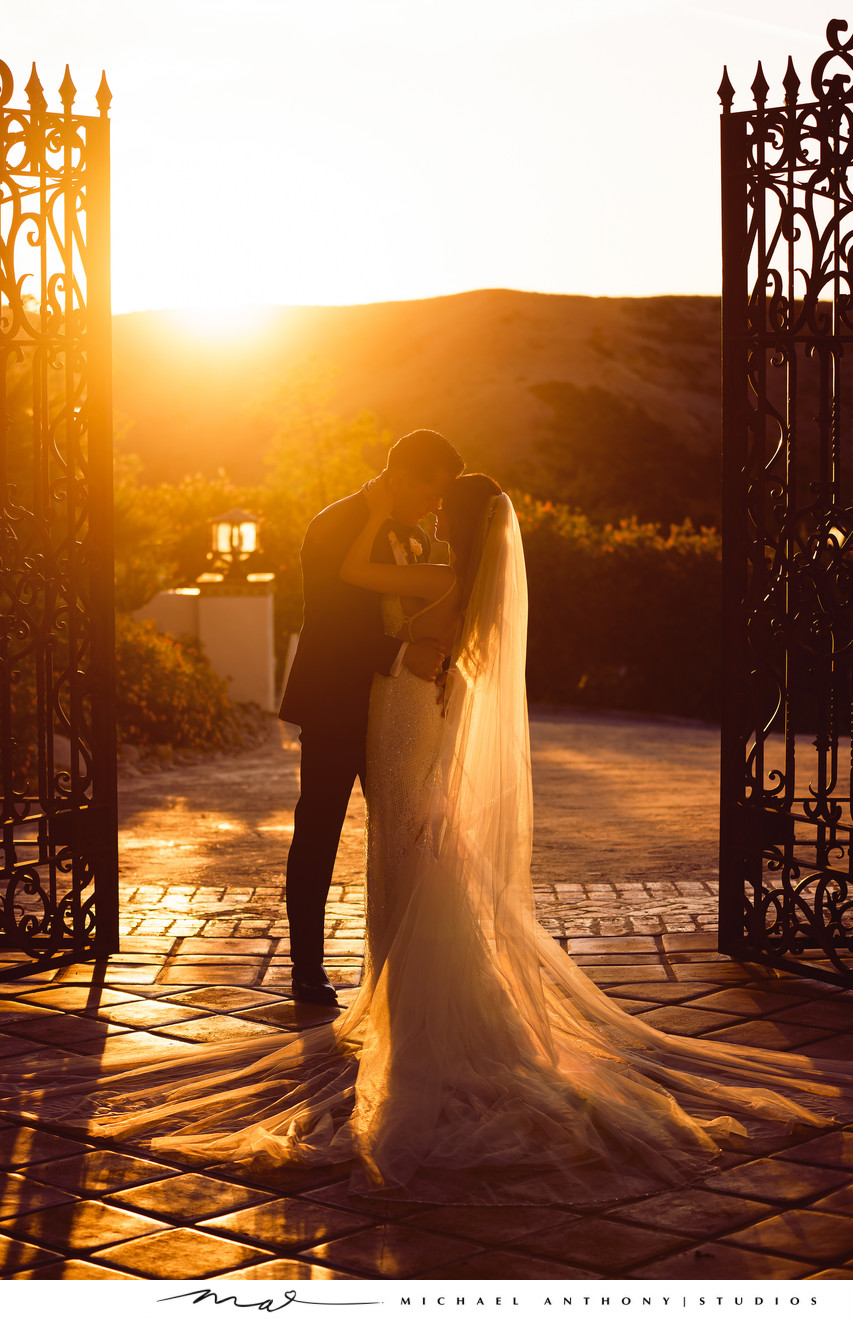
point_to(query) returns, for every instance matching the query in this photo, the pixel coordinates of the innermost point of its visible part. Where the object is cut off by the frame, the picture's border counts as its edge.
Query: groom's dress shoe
(313, 986)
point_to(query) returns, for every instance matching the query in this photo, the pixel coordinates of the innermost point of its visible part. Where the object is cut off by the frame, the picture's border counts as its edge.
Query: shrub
(622, 616)
(166, 691)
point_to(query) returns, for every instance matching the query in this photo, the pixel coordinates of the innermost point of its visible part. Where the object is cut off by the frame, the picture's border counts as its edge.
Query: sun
(221, 321)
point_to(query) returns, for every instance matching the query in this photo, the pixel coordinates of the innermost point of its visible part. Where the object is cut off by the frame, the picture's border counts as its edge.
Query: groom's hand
(424, 658)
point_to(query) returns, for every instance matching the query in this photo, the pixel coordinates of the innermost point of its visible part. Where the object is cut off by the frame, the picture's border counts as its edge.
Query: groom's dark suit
(341, 646)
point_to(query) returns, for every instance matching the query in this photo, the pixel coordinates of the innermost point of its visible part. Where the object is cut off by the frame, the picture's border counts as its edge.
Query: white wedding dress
(477, 1064)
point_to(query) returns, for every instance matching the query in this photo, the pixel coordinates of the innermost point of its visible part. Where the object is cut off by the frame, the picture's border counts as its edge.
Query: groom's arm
(349, 616)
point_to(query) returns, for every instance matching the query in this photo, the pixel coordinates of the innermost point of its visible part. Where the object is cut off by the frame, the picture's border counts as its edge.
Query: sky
(354, 151)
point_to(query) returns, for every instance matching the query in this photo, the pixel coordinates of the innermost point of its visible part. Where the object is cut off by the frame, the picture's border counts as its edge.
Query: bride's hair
(467, 504)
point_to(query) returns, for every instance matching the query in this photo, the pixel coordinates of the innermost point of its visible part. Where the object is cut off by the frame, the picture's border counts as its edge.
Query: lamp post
(234, 540)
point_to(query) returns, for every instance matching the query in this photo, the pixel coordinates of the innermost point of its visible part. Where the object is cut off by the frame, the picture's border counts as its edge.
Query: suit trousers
(331, 761)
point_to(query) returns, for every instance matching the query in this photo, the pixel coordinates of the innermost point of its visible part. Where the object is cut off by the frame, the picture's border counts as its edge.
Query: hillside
(520, 382)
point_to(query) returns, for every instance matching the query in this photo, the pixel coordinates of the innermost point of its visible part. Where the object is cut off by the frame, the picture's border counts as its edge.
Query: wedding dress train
(477, 1062)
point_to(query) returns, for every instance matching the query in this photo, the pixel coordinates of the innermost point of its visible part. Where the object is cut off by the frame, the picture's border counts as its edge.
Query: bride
(477, 1063)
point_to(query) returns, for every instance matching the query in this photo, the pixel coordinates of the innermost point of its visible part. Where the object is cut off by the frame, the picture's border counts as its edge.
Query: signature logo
(262, 1305)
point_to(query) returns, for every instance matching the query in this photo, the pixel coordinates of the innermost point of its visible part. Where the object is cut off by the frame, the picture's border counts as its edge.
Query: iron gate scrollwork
(57, 703)
(786, 896)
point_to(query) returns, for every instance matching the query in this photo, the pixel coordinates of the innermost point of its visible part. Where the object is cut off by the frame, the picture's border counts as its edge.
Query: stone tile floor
(72, 1208)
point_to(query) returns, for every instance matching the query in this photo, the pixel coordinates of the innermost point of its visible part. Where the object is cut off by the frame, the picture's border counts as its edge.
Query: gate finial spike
(104, 97)
(725, 91)
(791, 83)
(760, 86)
(67, 90)
(35, 91)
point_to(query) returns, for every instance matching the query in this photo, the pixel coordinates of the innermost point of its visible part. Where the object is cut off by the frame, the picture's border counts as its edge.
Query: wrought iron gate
(57, 706)
(787, 761)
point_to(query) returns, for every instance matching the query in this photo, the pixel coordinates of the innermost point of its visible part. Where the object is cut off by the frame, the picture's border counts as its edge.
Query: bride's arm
(426, 581)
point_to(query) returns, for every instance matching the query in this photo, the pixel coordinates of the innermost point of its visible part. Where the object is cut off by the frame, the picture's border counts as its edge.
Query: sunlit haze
(347, 151)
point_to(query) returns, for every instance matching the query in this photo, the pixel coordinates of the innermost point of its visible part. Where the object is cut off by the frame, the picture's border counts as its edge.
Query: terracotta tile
(612, 945)
(797, 987)
(832, 1048)
(831, 1149)
(34, 979)
(128, 1049)
(11, 1047)
(690, 940)
(776, 1180)
(138, 959)
(200, 961)
(188, 1196)
(222, 945)
(489, 1224)
(745, 1001)
(719, 1261)
(628, 973)
(308, 1015)
(224, 999)
(110, 976)
(80, 1226)
(180, 1254)
(835, 1016)
(16, 1256)
(188, 974)
(774, 1144)
(288, 1222)
(216, 1027)
(506, 1265)
(265, 1172)
(280, 1268)
(73, 1270)
(390, 1251)
(694, 1211)
(151, 1013)
(20, 1194)
(839, 1203)
(12, 1011)
(133, 977)
(713, 972)
(684, 1020)
(629, 1006)
(24, 1146)
(66, 1029)
(586, 961)
(337, 1193)
(146, 944)
(42, 1056)
(598, 1244)
(809, 1235)
(663, 992)
(769, 1035)
(697, 956)
(281, 1014)
(78, 999)
(98, 1171)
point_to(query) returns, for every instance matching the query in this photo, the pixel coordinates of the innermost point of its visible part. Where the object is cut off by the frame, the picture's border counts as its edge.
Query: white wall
(234, 623)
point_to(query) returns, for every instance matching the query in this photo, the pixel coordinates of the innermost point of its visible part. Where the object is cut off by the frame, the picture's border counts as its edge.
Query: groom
(341, 646)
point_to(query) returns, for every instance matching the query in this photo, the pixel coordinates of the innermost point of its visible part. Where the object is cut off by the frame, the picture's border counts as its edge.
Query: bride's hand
(378, 496)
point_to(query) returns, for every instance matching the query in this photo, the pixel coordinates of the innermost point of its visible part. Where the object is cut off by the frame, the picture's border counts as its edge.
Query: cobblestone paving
(625, 838)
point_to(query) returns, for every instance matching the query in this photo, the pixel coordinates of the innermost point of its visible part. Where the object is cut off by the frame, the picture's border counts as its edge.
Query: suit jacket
(343, 642)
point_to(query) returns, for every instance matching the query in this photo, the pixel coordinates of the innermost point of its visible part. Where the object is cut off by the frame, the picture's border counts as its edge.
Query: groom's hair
(424, 453)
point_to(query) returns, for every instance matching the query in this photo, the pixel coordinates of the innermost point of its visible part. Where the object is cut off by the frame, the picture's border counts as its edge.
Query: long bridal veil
(477, 1062)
